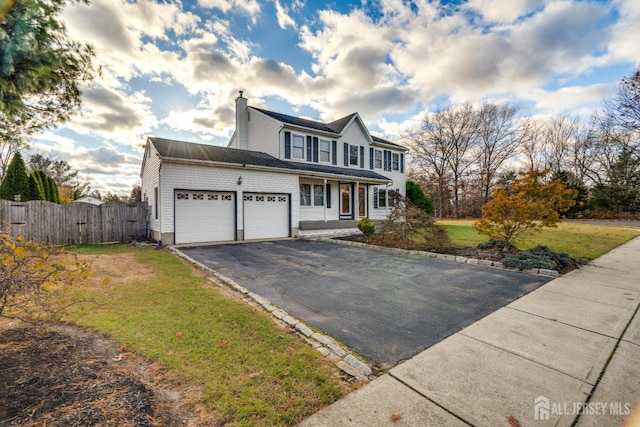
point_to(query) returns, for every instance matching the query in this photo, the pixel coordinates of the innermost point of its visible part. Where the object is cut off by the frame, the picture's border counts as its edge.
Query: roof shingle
(173, 149)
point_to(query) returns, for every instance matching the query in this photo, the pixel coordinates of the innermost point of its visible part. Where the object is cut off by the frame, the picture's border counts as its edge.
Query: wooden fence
(75, 223)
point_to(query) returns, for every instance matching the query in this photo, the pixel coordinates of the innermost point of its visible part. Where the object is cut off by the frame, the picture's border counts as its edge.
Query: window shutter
(387, 160)
(309, 153)
(328, 190)
(334, 152)
(315, 149)
(287, 144)
(361, 157)
(375, 197)
(346, 154)
(370, 157)
(401, 163)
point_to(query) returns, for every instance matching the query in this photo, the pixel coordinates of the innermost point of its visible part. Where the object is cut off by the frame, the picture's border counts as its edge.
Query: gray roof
(335, 127)
(170, 148)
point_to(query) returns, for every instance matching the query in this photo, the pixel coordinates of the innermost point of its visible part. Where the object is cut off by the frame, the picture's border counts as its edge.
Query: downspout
(158, 201)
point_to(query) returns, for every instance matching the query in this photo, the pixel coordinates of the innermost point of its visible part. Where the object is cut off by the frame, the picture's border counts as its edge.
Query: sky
(172, 69)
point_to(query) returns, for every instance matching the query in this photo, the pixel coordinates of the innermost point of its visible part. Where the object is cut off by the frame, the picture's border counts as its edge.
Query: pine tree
(16, 180)
(417, 196)
(36, 190)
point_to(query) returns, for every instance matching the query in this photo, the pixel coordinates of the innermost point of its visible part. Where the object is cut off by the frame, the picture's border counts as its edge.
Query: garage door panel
(266, 216)
(204, 216)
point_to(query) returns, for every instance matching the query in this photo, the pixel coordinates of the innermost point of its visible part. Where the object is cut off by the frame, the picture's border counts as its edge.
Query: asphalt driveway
(387, 307)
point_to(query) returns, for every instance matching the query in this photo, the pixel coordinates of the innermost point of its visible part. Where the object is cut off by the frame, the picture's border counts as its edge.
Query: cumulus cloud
(251, 7)
(111, 113)
(282, 14)
(404, 56)
(570, 97)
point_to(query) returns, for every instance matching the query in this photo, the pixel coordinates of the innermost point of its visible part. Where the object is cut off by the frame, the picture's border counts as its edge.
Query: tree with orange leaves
(534, 202)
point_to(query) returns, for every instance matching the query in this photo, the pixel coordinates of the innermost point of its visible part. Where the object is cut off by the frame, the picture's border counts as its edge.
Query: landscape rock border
(324, 344)
(443, 257)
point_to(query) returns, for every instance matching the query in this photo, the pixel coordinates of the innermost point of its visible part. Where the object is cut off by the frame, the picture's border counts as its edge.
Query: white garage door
(266, 216)
(204, 216)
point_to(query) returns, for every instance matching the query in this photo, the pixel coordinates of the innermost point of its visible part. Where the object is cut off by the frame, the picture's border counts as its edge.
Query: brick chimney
(241, 122)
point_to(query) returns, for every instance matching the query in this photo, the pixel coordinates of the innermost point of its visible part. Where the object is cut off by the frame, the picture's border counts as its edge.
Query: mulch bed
(491, 254)
(65, 376)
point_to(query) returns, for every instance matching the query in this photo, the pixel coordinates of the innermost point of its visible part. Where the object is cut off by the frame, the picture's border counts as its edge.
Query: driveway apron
(386, 306)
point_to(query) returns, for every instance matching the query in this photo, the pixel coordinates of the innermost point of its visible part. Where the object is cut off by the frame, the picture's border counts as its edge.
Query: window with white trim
(305, 194)
(297, 147)
(353, 155)
(325, 150)
(382, 198)
(395, 163)
(391, 196)
(318, 195)
(377, 159)
(311, 195)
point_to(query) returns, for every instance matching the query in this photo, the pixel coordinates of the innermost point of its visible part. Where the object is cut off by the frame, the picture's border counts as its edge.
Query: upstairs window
(353, 155)
(298, 147)
(395, 163)
(325, 151)
(377, 163)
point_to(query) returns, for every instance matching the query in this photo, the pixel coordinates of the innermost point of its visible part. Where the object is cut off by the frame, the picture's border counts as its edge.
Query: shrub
(418, 198)
(367, 226)
(499, 244)
(33, 278)
(538, 257)
(409, 227)
(531, 205)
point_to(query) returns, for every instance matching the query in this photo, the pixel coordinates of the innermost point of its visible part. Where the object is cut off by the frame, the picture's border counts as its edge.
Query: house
(89, 199)
(278, 177)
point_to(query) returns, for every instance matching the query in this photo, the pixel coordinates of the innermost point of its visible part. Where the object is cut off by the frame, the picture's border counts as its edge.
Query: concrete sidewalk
(566, 354)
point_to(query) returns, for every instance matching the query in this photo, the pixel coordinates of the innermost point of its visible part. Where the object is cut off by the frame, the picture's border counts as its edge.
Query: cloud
(209, 122)
(112, 112)
(571, 97)
(282, 14)
(251, 7)
(504, 11)
(625, 34)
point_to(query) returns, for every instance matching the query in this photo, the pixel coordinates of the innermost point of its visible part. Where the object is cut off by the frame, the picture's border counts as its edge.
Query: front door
(362, 202)
(345, 201)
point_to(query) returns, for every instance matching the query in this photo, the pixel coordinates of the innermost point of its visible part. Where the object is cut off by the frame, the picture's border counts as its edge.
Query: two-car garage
(214, 216)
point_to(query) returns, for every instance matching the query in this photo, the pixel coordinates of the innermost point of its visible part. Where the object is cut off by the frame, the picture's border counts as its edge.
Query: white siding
(264, 133)
(196, 177)
(150, 180)
(317, 213)
(353, 135)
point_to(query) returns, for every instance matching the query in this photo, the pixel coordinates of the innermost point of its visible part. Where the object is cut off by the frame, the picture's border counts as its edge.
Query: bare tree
(624, 106)
(430, 152)
(8, 147)
(497, 142)
(560, 137)
(530, 134)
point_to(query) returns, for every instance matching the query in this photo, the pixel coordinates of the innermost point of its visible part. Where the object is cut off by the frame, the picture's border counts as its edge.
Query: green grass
(251, 371)
(578, 240)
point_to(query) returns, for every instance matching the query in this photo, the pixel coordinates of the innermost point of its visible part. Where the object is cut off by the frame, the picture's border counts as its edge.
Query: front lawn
(249, 370)
(578, 240)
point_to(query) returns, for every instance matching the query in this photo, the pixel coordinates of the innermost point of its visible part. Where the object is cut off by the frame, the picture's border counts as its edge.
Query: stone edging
(444, 257)
(326, 345)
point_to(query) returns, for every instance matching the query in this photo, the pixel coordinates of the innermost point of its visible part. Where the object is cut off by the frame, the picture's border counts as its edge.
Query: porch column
(326, 196)
(386, 196)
